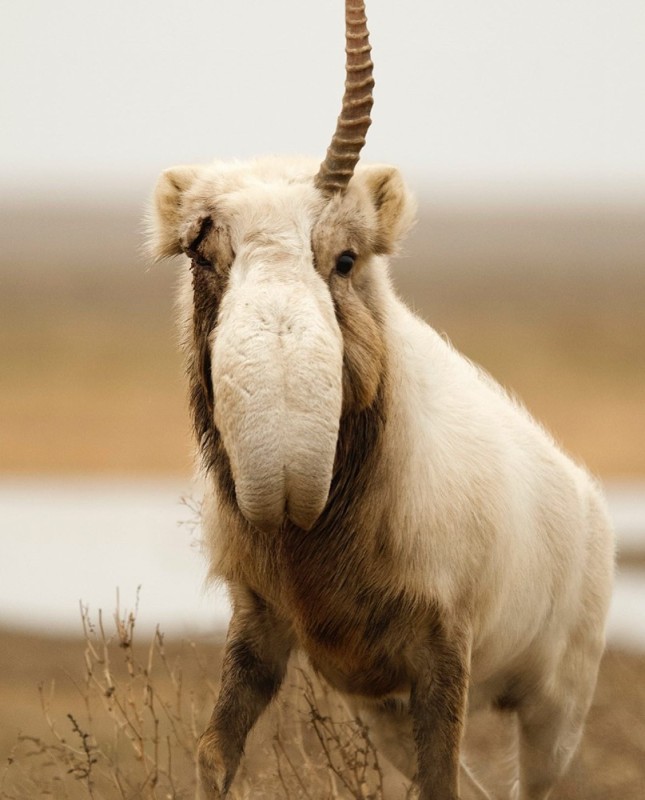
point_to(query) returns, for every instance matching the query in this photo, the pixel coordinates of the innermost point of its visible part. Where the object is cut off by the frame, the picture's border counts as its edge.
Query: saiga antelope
(373, 498)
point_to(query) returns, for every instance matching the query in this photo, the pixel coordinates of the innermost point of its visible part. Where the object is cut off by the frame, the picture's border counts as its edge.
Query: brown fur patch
(364, 348)
(514, 691)
(255, 660)
(507, 702)
(438, 708)
(209, 286)
(345, 226)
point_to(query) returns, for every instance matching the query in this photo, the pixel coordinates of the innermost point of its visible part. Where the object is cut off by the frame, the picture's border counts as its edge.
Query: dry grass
(127, 727)
(111, 717)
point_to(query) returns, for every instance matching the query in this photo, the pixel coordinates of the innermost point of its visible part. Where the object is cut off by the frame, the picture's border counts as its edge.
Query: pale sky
(482, 95)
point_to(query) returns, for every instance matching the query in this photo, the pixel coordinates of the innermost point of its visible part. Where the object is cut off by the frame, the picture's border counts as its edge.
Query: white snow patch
(66, 541)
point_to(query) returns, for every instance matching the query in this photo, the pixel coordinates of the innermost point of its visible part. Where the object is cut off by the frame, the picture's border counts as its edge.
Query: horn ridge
(351, 128)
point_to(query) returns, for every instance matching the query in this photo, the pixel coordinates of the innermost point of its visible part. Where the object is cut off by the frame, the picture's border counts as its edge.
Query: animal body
(373, 498)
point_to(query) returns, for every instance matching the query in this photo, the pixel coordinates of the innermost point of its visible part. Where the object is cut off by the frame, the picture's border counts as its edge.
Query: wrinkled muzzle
(277, 363)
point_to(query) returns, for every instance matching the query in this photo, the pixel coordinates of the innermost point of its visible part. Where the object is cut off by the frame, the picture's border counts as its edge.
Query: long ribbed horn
(354, 120)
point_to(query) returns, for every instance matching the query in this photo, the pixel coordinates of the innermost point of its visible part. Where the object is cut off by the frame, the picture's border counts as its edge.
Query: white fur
(492, 521)
(517, 528)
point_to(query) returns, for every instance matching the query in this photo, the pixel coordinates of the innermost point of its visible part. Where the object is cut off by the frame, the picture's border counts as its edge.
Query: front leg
(438, 706)
(255, 660)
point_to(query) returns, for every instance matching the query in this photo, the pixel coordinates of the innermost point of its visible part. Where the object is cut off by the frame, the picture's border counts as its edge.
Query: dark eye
(345, 262)
(193, 248)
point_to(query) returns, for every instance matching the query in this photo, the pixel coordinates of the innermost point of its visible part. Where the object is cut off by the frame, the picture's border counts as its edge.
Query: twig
(278, 745)
(84, 771)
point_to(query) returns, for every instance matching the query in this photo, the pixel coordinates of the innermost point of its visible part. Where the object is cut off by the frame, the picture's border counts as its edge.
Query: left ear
(395, 207)
(167, 214)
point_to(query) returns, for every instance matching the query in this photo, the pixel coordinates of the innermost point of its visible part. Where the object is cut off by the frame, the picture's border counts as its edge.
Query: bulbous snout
(277, 361)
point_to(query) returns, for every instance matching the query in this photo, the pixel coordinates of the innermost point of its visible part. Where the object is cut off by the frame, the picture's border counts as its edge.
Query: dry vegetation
(126, 724)
(108, 716)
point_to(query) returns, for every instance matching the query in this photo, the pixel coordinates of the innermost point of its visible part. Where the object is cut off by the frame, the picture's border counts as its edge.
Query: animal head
(286, 302)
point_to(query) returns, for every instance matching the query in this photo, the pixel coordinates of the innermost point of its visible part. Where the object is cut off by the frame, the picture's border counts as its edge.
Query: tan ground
(104, 394)
(609, 766)
(91, 378)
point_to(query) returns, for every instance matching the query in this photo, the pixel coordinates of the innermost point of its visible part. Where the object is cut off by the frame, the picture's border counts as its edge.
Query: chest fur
(332, 589)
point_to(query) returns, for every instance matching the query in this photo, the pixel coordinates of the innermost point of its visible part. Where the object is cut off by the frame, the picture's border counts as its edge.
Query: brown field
(550, 302)
(118, 742)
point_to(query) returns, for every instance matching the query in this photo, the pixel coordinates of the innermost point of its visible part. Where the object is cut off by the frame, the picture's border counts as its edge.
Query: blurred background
(519, 125)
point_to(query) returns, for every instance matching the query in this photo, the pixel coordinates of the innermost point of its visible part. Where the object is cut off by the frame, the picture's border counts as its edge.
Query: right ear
(167, 211)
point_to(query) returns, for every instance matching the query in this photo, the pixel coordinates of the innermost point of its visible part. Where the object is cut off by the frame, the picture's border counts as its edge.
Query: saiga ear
(394, 205)
(167, 211)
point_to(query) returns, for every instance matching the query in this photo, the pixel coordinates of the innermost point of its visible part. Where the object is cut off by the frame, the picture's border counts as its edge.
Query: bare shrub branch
(134, 731)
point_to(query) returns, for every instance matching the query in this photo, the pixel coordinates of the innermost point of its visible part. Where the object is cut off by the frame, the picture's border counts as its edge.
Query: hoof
(210, 773)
